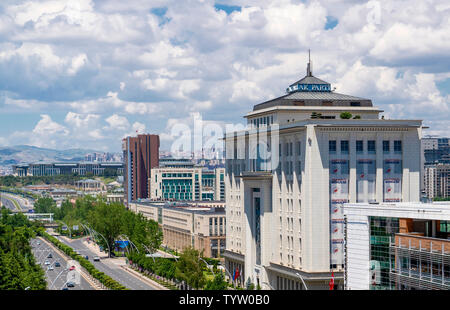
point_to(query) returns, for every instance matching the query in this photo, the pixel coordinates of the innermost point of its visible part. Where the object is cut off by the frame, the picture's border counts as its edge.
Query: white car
(50, 268)
(47, 262)
(96, 259)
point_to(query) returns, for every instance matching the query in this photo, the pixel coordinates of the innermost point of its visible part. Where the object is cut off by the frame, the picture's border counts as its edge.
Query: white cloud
(113, 67)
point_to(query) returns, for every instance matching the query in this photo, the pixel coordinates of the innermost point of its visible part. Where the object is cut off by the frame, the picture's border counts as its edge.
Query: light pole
(150, 252)
(301, 278)
(107, 244)
(208, 265)
(229, 274)
(57, 277)
(268, 284)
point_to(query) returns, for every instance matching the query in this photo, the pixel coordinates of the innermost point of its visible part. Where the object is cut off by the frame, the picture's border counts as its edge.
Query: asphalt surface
(61, 274)
(8, 204)
(6, 201)
(114, 271)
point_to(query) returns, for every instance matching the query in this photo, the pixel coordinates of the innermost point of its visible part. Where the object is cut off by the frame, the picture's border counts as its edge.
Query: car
(38, 243)
(77, 252)
(70, 284)
(96, 259)
(50, 255)
(47, 262)
(65, 289)
(57, 264)
(50, 268)
(72, 268)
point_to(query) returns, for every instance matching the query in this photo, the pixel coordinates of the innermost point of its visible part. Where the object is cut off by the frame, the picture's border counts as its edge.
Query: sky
(85, 74)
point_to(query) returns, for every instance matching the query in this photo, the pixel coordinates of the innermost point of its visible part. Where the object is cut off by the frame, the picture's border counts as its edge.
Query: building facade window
(398, 146)
(359, 146)
(386, 146)
(371, 148)
(344, 146)
(332, 146)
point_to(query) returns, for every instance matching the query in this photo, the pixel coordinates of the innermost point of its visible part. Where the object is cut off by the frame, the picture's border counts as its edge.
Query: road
(61, 274)
(23, 203)
(108, 267)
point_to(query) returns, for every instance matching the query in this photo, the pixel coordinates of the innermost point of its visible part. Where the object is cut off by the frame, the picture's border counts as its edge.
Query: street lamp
(268, 284)
(107, 244)
(208, 265)
(58, 277)
(301, 278)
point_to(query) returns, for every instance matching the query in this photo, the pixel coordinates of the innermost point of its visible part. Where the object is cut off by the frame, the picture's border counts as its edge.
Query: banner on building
(392, 180)
(339, 189)
(365, 180)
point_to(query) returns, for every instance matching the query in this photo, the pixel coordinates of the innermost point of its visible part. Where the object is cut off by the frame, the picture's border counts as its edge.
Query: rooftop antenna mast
(309, 67)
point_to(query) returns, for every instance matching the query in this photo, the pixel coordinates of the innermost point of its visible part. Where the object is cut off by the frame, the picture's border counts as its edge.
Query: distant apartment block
(141, 155)
(68, 168)
(200, 225)
(187, 183)
(436, 150)
(401, 246)
(437, 180)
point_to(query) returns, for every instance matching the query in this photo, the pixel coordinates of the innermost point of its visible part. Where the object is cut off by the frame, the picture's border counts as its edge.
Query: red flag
(236, 274)
(332, 281)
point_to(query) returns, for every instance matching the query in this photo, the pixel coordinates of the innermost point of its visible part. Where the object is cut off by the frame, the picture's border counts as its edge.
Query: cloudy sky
(87, 73)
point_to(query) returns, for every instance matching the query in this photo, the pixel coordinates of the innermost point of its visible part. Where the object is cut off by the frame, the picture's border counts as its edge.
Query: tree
(357, 117)
(346, 115)
(18, 268)
(218, 283)
(45, 205)
(189, 268)
(107, 220)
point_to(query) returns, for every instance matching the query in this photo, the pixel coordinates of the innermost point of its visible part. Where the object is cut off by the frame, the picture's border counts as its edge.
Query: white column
(379, 167)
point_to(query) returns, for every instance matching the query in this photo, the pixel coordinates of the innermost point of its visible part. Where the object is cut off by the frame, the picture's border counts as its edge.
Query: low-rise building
(401, 246)
(187, 183)
(200, 225)
(68, 168)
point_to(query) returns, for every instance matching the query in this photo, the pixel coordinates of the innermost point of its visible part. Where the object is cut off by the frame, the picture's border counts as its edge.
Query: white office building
(285, 222)
(397, 246)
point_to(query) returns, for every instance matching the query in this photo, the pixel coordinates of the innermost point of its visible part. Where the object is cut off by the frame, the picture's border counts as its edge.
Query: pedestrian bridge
(45, 217)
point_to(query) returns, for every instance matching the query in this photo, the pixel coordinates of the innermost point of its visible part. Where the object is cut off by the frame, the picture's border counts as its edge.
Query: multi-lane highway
(58, 277)
(109, 267)
(11, 202)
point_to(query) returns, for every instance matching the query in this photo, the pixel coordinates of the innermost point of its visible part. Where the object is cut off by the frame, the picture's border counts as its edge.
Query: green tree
(218, 283)
(346, 115)
(107, 220)
(189, 268)
(45, 205)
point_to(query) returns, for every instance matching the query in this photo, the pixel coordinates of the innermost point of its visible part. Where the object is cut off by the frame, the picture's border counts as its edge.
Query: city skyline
(141, 67)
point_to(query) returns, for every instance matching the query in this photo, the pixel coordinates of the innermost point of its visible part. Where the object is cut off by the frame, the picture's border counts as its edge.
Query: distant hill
(11, 155)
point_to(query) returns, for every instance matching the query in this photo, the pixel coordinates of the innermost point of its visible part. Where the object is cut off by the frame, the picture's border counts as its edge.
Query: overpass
(45, 217)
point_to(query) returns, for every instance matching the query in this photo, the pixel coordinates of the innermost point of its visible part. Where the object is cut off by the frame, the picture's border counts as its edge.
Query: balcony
(419, 242)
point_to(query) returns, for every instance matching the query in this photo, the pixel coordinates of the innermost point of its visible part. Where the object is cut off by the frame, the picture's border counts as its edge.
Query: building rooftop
(312, 91)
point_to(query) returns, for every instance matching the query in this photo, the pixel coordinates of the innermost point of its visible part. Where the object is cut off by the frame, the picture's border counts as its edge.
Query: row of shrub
(102, 277)
(164, 267)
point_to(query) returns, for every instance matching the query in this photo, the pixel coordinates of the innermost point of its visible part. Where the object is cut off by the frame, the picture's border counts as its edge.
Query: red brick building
(140, 154)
